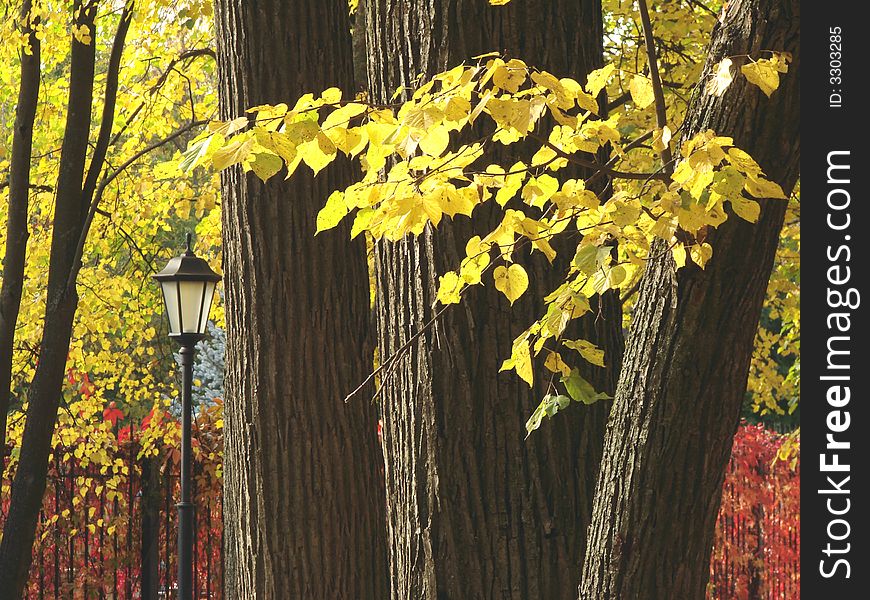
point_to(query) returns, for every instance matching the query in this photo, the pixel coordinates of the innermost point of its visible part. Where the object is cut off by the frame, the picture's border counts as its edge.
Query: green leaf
(548, 407)
(194, 154)
(581, 390)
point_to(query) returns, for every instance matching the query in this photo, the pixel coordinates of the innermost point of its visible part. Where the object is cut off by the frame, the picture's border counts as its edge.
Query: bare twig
(184, 56)
(599, 168)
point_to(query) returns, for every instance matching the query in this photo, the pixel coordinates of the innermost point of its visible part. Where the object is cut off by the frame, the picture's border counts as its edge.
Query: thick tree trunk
(303, 498)
(473, 509)
(687, 358)
(45, 389)
(16, 219)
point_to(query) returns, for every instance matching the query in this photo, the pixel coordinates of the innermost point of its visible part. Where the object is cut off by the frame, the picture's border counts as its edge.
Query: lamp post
(188, 285)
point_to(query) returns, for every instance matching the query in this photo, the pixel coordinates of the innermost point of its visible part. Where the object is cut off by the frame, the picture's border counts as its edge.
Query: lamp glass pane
(191, 301)
(206, 305)
(170, 296)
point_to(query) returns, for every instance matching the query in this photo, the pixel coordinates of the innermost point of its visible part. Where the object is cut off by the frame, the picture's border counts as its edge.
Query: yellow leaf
(301, 131)
(641, 90)
(564, 99)
(435, 142)
(679, 253)
(597, 79)
(539, 189)
(763, 73)
(521, 358)
(661, 139)
(512, 184)
(763, 188)
(510, 76)
(555, 364)
(745, 208)
(587, 350)
(318, 152)
(449, 288)
(511, 281)
(331, 95)
(341, 116)
(721, 79)
(332, 213)
(608, 278)
(233, 153)
(265, 164)
(701, 253)
(476, 260)
(743, 162)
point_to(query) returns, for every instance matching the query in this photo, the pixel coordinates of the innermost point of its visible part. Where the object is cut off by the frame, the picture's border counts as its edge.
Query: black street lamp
(188, 286)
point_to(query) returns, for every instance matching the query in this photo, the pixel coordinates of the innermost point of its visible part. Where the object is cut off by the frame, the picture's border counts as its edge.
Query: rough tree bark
(303, 498)
(16, 219)
(687, 358)
(473, 510)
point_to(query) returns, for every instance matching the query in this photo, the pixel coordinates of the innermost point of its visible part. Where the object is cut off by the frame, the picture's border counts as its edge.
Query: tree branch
(658, 94)
(16, 218)
(703, 7)
(109, 178)
(110, 98)
(186, 55)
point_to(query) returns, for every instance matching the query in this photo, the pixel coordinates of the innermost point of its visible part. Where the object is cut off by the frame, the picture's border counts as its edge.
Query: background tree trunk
(473, 510)
(303, 499)
(687, 358)
(16, 216)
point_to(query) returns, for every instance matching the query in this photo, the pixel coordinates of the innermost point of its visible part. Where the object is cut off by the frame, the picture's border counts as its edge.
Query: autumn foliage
(91, 530)
(757, 549)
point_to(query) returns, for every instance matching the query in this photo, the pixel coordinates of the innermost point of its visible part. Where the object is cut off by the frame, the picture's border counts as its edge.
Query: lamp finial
(188, 236)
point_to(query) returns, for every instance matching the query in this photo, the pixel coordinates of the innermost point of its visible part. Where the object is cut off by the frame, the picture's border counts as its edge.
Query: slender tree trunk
(473, 509)
(149, 524)
(303, 498)
(16, 220)
(687, 358)
(45, 389)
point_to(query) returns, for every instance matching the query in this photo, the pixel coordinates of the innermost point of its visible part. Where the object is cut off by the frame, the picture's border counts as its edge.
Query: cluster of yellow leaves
(417, 172)
(763, 72)
(775, 372)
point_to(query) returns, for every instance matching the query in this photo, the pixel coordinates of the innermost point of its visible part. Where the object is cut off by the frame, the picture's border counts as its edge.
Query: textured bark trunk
(16, 219)
(45, 389)
(303, 499)
(687, 358)
(474, 510)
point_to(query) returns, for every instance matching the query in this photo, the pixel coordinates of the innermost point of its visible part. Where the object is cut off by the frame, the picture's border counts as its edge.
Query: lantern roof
(187, 267)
